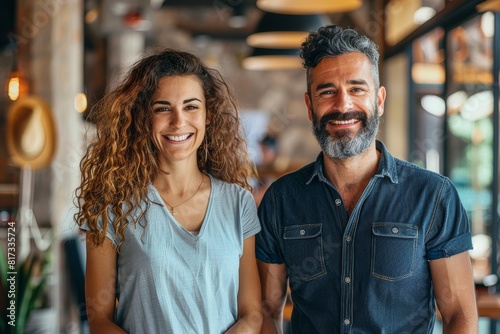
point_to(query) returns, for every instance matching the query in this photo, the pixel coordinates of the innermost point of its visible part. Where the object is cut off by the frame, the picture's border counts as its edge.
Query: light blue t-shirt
(173, 281)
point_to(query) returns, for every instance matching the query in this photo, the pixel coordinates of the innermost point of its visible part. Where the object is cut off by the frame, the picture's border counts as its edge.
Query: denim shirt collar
(386, 167)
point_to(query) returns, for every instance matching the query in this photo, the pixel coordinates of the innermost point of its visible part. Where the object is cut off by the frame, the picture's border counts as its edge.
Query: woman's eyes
(162, 109)
(168, 109)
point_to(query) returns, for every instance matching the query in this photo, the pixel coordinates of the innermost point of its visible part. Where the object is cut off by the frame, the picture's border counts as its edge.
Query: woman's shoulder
(221, 186)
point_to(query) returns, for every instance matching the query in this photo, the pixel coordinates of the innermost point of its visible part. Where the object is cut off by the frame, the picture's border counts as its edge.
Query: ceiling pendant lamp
(284, 31)
(272, 59)
(489, 5)
(308, 6)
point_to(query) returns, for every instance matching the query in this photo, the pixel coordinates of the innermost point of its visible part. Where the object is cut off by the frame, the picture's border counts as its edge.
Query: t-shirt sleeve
(249, 218)
(267, 245)
(110, 233)
(449, 232)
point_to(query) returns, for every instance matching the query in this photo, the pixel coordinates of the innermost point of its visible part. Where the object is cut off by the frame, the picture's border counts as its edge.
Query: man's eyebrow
(361, 82)
(358, 82)
(324, 85)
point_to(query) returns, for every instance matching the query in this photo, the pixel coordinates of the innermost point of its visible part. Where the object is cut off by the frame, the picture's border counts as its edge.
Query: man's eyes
(353, 90)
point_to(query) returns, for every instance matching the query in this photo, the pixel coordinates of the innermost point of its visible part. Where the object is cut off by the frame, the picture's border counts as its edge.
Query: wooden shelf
(488, 305)
(9, 195)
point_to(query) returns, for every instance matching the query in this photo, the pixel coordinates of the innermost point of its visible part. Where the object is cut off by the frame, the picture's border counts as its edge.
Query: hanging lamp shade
(489, 5)
(31, 133)
(283, 30)
(308, 6)
(272, 59)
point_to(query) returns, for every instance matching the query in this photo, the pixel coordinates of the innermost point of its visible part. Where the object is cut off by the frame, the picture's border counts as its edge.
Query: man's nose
(343, 101)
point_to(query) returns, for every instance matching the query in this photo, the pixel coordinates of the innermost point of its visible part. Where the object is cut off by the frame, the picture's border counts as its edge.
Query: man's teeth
(177, 138)
(351, 121)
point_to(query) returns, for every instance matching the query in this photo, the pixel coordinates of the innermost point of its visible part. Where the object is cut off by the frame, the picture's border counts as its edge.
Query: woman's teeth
(177, 138)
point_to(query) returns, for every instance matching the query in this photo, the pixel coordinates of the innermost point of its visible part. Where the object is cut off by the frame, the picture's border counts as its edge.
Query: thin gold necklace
(172, 211)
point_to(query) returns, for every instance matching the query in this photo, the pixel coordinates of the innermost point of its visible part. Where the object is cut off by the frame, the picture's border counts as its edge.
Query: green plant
(21, 292)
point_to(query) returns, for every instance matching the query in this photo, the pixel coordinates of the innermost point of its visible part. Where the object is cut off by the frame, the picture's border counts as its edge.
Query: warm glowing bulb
(91, 16)
(80, 102)
(14, 88)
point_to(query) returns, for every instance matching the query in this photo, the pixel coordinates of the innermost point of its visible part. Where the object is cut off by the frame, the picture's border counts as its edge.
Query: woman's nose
(177, 118)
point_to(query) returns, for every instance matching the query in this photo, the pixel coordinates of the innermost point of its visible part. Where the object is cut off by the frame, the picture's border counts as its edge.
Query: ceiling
(205, 3)
(197, 17)
(212, 18)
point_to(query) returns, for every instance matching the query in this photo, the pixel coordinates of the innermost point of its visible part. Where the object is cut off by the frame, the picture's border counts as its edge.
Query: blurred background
(440, 63)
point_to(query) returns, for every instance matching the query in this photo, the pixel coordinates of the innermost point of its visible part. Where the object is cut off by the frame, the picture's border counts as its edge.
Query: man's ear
(381, 100)
(308, 101)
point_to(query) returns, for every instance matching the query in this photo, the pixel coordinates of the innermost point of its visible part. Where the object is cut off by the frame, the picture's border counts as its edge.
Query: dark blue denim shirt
(367, 272)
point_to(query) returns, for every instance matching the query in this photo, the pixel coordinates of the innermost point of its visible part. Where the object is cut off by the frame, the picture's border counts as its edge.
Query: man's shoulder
(409, 169)
(400, 169)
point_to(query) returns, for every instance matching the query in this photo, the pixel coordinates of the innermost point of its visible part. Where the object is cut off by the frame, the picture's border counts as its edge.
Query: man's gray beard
(346, 146)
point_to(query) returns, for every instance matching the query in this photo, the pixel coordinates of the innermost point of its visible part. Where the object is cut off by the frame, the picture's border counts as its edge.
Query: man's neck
(353, 171)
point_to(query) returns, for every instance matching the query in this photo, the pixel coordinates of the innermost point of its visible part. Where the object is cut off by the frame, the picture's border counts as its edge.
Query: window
(469, 144)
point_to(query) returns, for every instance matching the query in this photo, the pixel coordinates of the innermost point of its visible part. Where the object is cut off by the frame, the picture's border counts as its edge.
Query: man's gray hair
(333, 40)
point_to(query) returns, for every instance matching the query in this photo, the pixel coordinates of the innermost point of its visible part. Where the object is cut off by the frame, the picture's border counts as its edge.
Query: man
(368, 243)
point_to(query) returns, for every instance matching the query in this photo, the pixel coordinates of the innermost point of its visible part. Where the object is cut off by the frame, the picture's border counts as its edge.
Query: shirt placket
(348, 261)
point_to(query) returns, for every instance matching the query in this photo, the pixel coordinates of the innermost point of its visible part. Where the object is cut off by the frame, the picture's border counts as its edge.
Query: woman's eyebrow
(168, 103)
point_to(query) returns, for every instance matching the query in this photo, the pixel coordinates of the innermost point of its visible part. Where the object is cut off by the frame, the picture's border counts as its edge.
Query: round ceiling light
(308, 6)
(478, 106)
(283, 30)
(272, 59)
(433, 104)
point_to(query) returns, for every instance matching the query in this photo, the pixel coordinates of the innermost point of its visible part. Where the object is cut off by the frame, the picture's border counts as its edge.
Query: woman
(170, 226)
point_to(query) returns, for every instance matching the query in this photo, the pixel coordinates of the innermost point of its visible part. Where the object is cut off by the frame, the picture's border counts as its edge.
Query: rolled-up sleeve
(449, 232)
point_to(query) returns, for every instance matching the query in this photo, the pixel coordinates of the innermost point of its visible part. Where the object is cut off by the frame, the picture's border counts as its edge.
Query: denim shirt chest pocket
(304, 251)
(393, 250)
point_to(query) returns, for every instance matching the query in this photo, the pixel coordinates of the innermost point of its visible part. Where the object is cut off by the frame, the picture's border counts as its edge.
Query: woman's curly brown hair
(120, 162)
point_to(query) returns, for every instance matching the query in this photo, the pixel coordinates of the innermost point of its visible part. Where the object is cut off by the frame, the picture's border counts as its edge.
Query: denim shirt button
(348, 238)
(347, 321)
(347, 280)
(395, 230)
(302, 232)
(338, 202)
